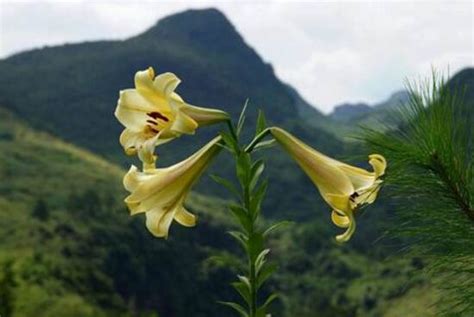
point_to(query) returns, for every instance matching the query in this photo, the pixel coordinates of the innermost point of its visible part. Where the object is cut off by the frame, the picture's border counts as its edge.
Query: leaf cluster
(430, 178)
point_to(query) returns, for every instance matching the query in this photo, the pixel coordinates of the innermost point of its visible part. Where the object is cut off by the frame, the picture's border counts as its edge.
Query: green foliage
(40, 211)
(7, 289)
(431, 177)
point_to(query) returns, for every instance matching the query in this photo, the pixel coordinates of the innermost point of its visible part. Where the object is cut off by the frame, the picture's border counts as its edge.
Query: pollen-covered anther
(157, 115)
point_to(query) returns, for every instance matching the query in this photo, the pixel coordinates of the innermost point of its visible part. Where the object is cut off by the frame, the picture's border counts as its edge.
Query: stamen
(354, 196)
(153, 129)
(156, 115)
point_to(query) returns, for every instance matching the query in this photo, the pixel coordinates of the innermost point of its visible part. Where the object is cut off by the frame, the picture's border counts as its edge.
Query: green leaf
(257, 198)
(226, 183)
(236, 307)
(261, 122)
(255, 172)
(243, 168)
(243, 290)
(241, 121)
(240, 237)
(242, 216)
(261, 311)
(255, 245)
(265, 272)
(264, 145)
(277, 226)
(260, 261)
(230, 141)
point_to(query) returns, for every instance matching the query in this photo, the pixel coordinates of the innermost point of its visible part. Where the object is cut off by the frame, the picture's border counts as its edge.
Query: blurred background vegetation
(69, 248)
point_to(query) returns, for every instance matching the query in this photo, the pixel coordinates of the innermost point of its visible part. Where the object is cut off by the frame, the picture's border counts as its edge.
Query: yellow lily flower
(154, 114)
(342, 186)
(160, 193)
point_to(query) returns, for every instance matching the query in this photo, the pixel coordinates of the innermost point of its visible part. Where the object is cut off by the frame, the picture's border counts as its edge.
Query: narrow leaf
(255, 172)
(240, 237)
(243, 290)
(265, 273)
(236, 307)
(226, 183)
(260, 261)
(277, 226)
(261, 122)
(241, 121)
(264, 145)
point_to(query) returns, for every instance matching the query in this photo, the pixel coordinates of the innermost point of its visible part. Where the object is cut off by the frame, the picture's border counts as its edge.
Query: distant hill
(347, 111)
(363, 112)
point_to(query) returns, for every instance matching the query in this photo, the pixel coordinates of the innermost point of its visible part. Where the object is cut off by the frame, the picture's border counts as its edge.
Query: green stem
(252, 274)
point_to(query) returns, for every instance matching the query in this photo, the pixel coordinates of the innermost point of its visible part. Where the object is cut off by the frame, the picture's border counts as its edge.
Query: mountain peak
(206, 27)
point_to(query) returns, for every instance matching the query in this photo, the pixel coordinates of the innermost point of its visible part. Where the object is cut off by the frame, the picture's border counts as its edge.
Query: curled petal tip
(379, 164)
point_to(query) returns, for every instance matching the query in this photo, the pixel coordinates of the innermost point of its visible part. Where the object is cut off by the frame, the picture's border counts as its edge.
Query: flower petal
(183, 124)
(185, 218)
(340, 221)
(129, 141)
(166, 83)
(350, 229)
(158, 221)
(144, 80)
(204, 116)
(132, 110)
(379, 163)
(321, 169)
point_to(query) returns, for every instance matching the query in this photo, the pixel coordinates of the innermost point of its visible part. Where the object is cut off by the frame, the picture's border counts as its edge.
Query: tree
(41, 211)
(7, 285)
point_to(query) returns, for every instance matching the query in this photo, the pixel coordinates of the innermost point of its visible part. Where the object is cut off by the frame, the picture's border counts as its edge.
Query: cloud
(331, 51)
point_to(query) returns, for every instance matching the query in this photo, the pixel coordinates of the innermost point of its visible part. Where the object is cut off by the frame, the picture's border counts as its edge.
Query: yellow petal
(205, 116)
(158, 222)
(132, 110)
(131, 141)
(185, 218)
(321, 169)
(183, 124)
(160, 193)
(350, 229)
(144, 80)
(339, 220)
(379, 164)
(166, 83)
(338, 202)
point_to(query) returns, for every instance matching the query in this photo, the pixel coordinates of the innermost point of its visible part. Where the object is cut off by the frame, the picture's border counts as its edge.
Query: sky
(332, 52)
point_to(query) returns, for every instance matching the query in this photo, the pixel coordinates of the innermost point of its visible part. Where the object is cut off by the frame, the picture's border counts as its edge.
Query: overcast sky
(331, 51)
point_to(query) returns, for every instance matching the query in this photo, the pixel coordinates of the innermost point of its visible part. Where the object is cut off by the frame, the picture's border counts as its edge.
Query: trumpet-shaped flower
(154, 114)
(342, 186)
(160, 193)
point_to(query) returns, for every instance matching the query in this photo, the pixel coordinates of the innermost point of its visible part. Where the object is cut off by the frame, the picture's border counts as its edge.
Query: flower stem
(250, 236)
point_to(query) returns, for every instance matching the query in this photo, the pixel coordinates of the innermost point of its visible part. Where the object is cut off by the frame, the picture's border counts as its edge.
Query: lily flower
(344, 187)
(154, 114)
(160, 193)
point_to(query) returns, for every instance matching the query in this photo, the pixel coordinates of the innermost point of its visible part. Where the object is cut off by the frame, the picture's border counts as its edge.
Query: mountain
(76, 89)
(357, 113)
(348, 111)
